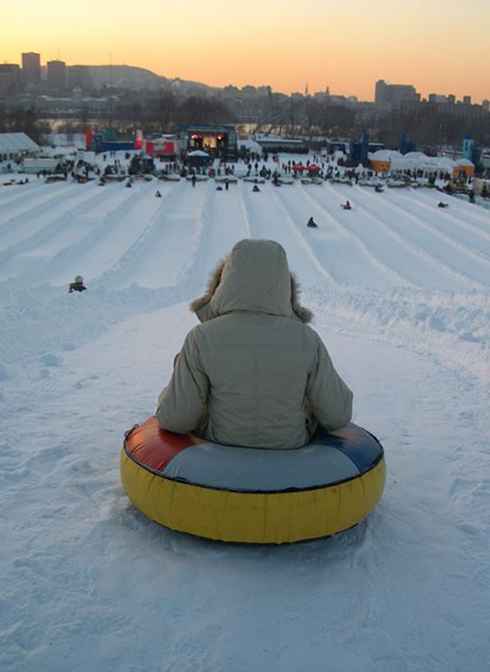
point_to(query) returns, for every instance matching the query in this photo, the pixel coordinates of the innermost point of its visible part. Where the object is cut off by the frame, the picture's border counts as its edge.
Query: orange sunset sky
(439, 46)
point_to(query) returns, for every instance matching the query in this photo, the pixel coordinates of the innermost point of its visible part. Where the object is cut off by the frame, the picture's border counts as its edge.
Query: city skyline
(437, 49)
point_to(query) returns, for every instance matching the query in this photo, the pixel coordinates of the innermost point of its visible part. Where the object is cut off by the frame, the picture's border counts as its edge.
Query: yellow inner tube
(246, 516)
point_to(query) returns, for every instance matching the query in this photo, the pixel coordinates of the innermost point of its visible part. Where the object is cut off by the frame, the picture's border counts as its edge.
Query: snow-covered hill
(401, 295)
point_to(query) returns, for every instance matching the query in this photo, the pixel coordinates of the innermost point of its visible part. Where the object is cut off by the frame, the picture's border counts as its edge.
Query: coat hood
(254, 277)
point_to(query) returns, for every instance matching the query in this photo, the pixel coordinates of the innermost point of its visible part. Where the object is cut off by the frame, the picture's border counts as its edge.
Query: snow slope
(400, 291)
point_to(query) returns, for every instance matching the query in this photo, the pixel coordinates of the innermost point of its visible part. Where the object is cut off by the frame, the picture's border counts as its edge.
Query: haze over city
(347, 46)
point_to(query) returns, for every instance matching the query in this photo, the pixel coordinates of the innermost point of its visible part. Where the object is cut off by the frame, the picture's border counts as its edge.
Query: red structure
(164, 147)
(89, 138)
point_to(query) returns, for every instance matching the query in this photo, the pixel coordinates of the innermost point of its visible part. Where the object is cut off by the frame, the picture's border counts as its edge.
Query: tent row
(385, 160)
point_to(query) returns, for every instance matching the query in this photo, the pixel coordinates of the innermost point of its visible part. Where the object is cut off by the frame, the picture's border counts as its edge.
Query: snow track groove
(412, 259)
(225, 223)
(469, 215)
(454, 229)
(29, 218)
(17, 193)
(265, 223)
(33, 254)
(341, 249)
(442, 247)
(155, 258)
(112, 233)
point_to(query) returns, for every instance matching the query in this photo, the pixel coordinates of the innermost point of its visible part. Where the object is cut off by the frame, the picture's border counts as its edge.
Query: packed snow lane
(16, 193)
(269, 219)
(408, 590)
(334, 244)
(36, 209)
(168, 246)
(474, 240)
(372, 225)
(224, 222)
(116, 229)
(37, 256)
(447, 253)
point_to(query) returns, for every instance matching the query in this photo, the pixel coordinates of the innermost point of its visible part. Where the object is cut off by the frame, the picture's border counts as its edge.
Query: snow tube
(250, 495)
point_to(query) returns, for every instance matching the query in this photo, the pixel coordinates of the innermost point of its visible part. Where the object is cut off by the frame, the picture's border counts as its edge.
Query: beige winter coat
(253, 373)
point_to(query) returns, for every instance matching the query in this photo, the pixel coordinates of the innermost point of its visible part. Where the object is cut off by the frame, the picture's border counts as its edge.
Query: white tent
(17, 143)
(385, 155)
(199, 152)
(417, 161)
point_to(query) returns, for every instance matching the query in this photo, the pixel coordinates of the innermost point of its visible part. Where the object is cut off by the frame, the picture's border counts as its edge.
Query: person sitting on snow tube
(256, 188)
(442, 205)
(312, 224)
(253, 373)
(77, 285)
(158, 194)
(347, 205)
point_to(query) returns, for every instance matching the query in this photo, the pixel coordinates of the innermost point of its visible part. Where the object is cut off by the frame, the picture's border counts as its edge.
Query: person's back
(77, 285)
(254, 373)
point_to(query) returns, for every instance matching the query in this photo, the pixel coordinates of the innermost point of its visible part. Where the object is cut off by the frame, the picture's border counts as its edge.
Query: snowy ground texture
(401, 294)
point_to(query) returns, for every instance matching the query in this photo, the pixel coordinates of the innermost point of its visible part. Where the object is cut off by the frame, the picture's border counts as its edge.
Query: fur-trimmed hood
(254, 277)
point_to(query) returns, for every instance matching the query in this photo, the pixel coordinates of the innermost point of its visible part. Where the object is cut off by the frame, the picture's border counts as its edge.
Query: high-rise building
(466, 100)
(31, 68)
(437, 98)
(451, 99)
(56, 75)
(380, 92)
(9, 79)
(394, 94)
(486, 105)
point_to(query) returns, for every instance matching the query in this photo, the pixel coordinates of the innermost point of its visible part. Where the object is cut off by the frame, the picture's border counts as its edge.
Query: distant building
(394, 94)
(437, 98)
(31, 68)
(486, 105)
(466, 100)
(451, 99)
(57, 75)
(274, 143)
(10, 79)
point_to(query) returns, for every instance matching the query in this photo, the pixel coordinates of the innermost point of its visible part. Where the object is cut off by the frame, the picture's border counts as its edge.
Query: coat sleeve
(330, 399)
(183, 403)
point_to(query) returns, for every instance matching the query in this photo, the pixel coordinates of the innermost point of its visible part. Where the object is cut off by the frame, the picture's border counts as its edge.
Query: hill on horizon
(134, 77)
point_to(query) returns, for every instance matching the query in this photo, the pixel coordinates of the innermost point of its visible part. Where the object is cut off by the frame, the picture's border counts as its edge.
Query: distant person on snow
(274, 383)
(77, 285)
(158, 194)
(442, 205)
(256, 188)
(347, 205)
(312, 224)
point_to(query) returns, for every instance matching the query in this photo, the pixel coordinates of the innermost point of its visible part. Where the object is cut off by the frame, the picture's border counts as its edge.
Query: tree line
(164, 111)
